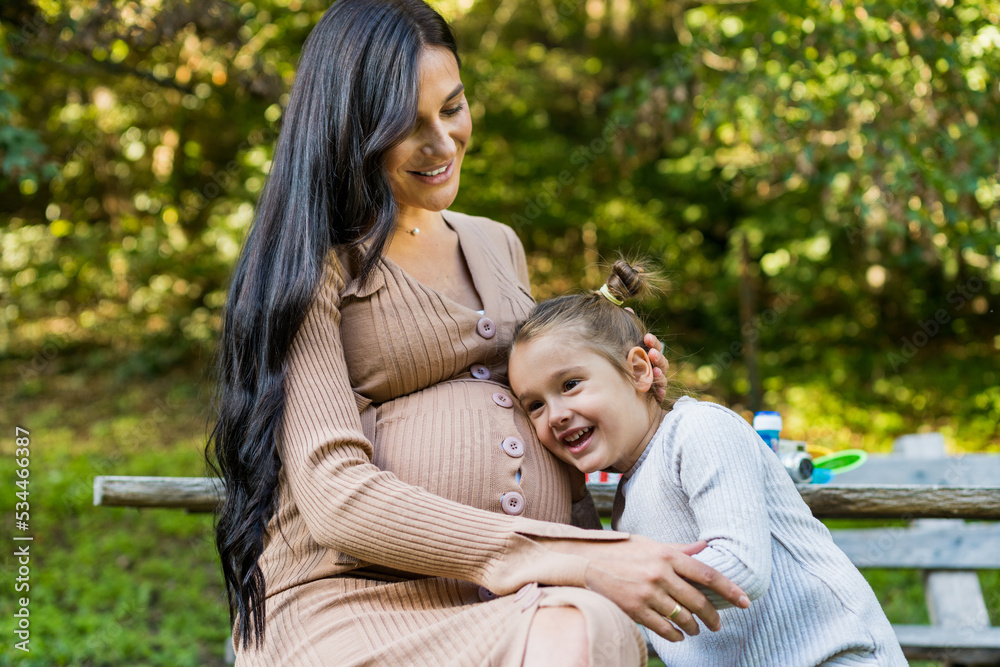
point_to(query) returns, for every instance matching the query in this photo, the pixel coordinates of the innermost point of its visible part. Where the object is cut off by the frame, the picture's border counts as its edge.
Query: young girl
(694, 471)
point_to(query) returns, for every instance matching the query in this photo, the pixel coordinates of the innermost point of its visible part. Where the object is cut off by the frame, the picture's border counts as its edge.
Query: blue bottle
(768, 425)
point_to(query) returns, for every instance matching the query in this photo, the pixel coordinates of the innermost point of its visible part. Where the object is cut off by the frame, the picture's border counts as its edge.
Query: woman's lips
(435, 180)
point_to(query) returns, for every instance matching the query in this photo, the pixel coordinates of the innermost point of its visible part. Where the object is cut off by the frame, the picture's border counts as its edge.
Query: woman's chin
(431, 198)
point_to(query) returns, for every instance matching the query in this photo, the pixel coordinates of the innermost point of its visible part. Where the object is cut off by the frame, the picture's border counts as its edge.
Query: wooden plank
(825, 500)
(196, 494)
(929, 642)
(968, 470)
(926, 642)
(902, 501)
(962, 547)
(919, 445)
(604, 497)
(954, 599)
(911, 501)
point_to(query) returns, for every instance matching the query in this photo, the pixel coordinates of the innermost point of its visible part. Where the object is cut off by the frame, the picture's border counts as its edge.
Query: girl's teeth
(576, 436)
(433, 173)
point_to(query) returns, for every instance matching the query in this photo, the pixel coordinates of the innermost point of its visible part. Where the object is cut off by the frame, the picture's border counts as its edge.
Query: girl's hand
(647, 580)
(660, 365)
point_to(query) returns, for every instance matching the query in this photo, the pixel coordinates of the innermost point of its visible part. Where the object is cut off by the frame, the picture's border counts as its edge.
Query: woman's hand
(647, 580)
(660, 365)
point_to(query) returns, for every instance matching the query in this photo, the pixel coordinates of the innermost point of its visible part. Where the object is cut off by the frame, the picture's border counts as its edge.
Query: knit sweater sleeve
(721, 472)
(351, 506)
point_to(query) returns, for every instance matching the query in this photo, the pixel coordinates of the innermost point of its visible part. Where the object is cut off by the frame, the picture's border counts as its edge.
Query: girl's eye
(453, 111)
(570, 385)
(535, 405)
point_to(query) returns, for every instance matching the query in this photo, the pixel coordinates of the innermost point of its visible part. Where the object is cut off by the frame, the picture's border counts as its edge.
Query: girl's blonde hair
(599, 324)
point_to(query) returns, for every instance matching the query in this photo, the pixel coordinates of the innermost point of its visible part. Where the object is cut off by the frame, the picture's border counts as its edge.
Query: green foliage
(852, 147)
(114, 586)
(20, 148)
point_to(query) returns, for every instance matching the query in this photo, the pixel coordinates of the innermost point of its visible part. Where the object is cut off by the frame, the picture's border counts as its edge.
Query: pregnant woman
(386, 501)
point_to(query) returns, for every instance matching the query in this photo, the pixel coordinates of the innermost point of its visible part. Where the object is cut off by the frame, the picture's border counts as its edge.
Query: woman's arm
(660, 365)
(353, 507)
(647, 579)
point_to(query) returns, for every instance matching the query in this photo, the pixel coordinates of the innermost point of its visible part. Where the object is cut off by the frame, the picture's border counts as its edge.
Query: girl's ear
(641, 368)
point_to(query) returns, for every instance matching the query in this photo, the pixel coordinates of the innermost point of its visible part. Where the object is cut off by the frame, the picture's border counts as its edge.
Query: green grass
(118, 586)
(113, 586)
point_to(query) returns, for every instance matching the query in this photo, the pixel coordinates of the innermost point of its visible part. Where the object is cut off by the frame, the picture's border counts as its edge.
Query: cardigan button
(503, 400)
(486, 327)
(512, 503)
(480, 372)
(513, 447)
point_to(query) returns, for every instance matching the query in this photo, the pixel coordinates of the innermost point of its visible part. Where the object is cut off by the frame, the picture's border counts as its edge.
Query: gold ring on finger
(676, 611)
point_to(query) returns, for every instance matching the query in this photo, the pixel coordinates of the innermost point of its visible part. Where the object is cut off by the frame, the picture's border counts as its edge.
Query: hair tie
(609, 296)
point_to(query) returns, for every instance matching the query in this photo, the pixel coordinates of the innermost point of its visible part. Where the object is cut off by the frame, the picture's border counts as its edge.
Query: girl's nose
(558, 414)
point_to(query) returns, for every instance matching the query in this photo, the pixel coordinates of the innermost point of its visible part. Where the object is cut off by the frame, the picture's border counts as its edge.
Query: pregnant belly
(466, 441)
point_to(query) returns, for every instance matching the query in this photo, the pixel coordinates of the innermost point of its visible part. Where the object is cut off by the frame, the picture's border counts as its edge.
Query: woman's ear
(641, 368)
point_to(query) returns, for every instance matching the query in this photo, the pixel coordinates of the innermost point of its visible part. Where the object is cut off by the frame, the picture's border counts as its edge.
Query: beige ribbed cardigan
(392, 531)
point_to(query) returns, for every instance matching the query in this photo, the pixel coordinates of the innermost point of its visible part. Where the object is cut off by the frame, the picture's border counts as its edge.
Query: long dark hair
(354, 98)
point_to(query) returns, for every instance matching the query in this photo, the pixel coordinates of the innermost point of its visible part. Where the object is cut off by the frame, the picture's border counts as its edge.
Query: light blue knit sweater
(707, 475)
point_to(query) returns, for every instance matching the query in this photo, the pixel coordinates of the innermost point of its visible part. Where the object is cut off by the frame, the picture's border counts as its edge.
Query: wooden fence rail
(828, 501)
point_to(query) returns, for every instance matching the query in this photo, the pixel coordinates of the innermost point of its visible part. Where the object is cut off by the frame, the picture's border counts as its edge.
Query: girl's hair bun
(629, 280)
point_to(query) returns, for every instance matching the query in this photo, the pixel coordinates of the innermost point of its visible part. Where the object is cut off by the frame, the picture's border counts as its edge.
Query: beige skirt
(350, 621)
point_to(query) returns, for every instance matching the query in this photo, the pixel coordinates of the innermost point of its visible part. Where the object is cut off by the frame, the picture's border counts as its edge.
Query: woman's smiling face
(438, 139)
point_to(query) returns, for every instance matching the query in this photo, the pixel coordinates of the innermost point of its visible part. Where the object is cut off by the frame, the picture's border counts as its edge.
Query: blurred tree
(161, 119)
(851, 144)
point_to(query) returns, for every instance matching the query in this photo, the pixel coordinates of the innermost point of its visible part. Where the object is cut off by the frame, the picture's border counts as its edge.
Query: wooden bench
(949, 551)
(937, 541)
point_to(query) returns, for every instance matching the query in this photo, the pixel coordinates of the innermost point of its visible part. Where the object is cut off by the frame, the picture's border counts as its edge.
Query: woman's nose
(437, 142)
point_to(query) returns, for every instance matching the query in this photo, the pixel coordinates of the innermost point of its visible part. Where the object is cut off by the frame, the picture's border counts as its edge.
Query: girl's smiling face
(583, 409)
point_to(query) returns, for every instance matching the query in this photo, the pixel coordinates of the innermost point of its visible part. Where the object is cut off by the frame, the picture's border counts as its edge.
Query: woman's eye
(454, 110)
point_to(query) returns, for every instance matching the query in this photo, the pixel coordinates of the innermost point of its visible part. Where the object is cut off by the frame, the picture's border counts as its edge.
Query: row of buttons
(511, 502)
(486, 328)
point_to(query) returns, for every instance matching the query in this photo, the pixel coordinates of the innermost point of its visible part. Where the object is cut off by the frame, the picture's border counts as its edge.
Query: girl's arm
(721, 467)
